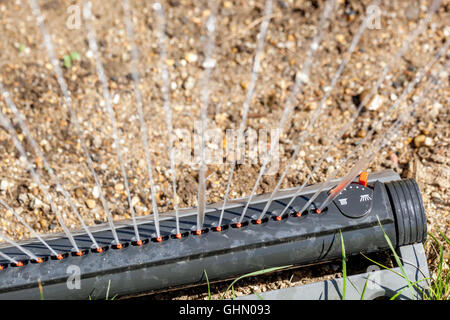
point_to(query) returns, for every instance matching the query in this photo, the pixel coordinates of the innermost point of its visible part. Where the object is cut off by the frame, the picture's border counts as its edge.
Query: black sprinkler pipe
(297, 238)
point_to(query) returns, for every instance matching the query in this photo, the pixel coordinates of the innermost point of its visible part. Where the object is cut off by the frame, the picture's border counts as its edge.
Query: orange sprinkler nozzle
(39, 260)
(139, 243)
(19, 264)
(218, 229)
(318, 211)
(238, 225)
(79, 253)
(99, 250)
(119, 246)
(59, 257)
(198, 232)
(363, 178)
(298, 214)
(178, 236)
(258, 221)
(159, 239)
(1, 267)
(278, 218)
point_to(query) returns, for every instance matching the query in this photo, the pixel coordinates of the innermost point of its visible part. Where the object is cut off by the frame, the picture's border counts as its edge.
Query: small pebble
(302, 76)
(79, 192)
(191, 57)
(141, 209)
(39, 162)
(227, 4)
(361, 133)
(340, 38)
(436, 197)
(44, 224)
(170, 62)
(209, 63)
(35, 203)
(135, 200)
(96, 192)
(116, 99)
(419, 140)
(3, 185)
(90, 203)
(428, 142)
(376, 103)
(97, 141)
(189, 83)
(22, 199)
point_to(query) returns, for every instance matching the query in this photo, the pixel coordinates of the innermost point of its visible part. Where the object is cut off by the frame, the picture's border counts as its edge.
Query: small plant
(21, 48)
(69, 58)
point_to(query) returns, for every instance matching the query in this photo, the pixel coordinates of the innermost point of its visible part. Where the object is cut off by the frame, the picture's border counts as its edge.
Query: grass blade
(397, 259)
(444, 236)
(41, 290)
(251, 274)
(107, 290)
(344, 266)
(256, 294)
(439, 289)
(364, 289)
(401, 291)
(209, 287)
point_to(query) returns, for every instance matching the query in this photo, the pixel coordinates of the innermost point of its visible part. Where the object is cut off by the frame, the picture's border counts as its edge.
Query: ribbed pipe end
(407, 206)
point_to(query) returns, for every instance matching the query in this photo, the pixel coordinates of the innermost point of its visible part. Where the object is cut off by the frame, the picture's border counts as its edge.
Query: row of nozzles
(179, 236)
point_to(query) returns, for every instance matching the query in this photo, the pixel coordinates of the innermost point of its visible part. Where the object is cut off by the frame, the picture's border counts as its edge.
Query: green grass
(209, 286)
(251, 274)
(107, 293)
(344, 266)
(440, 287)
(397, 259)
